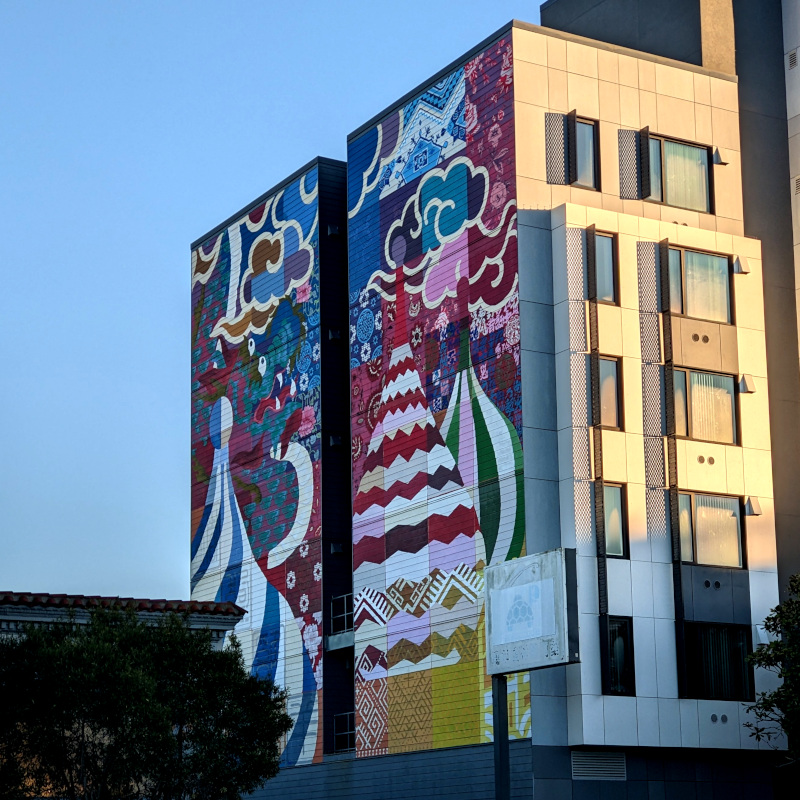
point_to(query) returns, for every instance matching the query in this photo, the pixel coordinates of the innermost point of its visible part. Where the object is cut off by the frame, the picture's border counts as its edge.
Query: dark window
(342, 613)
(699, 285)
(615, 520)
(705, 406)
(610, 407)
(716, 661)
(344, 732)
(605, 268)
(586, 154)
(711, 529)
(679, 174)
(618, 670)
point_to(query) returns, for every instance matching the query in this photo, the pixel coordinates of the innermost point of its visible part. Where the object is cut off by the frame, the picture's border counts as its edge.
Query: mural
(436, 406)
(256, 444)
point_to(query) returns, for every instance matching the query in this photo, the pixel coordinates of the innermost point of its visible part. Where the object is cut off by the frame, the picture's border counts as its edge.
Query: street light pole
(502, 767)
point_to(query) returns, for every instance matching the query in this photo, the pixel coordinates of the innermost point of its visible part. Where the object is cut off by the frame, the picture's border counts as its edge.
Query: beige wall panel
(533, 194)
(629, 107)
(575, 214)
(628, 275)
(637, 516)
(603, 220)
(725, 127)
(674, 82)
(675, 117)
(632, 403)
(726, 225)
(529, 46)
(754, 412)
(702, 124)
(583, 95)
(647, 75)
(649, 230)
(724, 243)
(680, 453)
(724, 94)
(586, 197)
(705, 477)
(561, 194)
(757, 472)
(728, 187)
(752, 352)
(745, 245)
(582, 59)
(556, 53)
(734, 469)
(759, 535)
(635, 452)
(694, 237)
(680, 216)
(628, 71)
(609, 160)
(748, 300)
(648, 111)
(609, 102)
(609, 329)
(708, 222)
(702, 89)
(530, 84)
(615, 457)
(631, 334)
(608, 66)
(612, 202)
(557, 91)
(629, 224)
(632, 207)
(652, 211)
(531, 156)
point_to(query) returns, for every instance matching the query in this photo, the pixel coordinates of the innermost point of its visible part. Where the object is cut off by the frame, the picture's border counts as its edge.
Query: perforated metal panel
(578, 368)
(650, 337)
(647, 265)
(577, 325)
(584, 533)
(580, 453)
(652, 399)
(656, 504)
(576, 260)
(654, 473)
(629, 188)
(555, 137)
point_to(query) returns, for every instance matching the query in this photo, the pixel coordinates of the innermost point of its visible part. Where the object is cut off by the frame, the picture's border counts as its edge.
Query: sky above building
(126, 132)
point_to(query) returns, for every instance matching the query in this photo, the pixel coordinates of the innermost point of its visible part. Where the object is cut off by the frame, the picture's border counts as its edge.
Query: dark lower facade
(540, 773)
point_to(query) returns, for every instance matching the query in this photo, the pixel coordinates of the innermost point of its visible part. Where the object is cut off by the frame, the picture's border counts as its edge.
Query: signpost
(531, 623)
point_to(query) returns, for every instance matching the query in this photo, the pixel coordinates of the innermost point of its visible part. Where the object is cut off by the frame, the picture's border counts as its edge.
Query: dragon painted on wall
(256, 444)
(435, 404)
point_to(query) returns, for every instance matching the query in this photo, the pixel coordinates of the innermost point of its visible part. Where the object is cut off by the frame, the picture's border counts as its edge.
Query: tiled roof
(35, 600)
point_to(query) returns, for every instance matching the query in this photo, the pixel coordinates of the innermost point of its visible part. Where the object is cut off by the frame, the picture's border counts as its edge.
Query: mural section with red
(436, 406)
(256, 444)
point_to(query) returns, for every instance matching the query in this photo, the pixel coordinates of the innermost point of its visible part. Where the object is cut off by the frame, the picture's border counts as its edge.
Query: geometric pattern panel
(435, 398)
(372, 734)
(256, 443)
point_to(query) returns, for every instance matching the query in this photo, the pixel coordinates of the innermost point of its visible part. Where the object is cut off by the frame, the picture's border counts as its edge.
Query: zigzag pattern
(440, 587)
(464, 640)
(370, 605)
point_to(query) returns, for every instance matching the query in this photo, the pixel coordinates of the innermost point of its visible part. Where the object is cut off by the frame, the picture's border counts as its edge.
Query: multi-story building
(556, 340)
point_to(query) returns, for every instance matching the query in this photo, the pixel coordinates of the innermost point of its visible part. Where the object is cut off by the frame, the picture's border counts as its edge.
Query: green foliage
(122, 710)
(778, 711)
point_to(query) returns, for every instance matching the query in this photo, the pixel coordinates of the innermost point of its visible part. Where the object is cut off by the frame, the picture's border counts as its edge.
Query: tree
(779, 710)
(120, 709)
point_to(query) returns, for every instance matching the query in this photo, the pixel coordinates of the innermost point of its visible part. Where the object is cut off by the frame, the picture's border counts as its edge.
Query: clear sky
(127, 130)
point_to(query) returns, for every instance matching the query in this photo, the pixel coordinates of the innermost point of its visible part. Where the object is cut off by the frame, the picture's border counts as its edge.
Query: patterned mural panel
(436, 405)
(256, 443)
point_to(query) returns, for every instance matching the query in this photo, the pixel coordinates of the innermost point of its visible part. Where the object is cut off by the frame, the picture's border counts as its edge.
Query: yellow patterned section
(410, 711)
(456, 715)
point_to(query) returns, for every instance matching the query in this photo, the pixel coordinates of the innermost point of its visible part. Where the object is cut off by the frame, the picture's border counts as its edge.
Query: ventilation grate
(797, 185)
(597, 766)
(793, 59)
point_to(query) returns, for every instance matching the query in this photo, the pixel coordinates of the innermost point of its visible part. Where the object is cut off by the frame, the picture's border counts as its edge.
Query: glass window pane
(609, 403)
(585, 152)
(604, 262)
(713, 412)
(686, 179)
(685, 519)
(656, 191)
(675, 283)
(716, 657)
(612, 500)
(621, 679)
(681, 416)
(718, 526)
(707, 290)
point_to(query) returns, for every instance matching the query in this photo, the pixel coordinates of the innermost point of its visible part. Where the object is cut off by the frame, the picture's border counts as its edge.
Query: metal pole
(502, 767)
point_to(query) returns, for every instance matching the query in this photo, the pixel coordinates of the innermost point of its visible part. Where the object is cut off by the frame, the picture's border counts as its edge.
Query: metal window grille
(342, 613)
(598, 766)
(344, 732)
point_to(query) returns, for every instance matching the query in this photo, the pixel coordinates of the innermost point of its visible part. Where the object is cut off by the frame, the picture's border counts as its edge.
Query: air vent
(797, 185)
(598, 766)
(793, 59)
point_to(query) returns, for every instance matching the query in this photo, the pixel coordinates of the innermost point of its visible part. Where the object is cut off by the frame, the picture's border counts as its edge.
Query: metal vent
(598, 766)
(793, 59)
(797, 185)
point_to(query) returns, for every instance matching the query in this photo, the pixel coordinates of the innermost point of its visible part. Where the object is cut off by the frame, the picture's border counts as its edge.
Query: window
(711, 529)
(615, 519)
(679, 174)
(610, 410)
(705, 407)
(716, 661)
(617, 643)
(605, 268)
(586, 154)
(699, 285)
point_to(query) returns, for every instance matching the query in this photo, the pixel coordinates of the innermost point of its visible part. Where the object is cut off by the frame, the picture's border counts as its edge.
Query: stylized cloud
(204, 259)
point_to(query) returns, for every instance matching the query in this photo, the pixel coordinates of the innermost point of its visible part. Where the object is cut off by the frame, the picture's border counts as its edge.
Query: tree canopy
(123, 710)
(778, 712)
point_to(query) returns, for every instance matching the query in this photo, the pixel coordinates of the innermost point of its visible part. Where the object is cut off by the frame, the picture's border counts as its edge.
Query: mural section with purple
(436, 406)
(256, 444)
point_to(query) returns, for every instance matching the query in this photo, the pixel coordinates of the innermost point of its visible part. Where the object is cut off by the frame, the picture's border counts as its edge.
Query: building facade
(555, 339)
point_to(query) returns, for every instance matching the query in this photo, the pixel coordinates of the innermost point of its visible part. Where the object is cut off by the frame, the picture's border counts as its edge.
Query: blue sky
(127, 130)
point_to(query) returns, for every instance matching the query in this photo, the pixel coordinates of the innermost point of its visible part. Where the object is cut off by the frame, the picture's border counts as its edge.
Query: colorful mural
(256, 444)
(436, 406)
